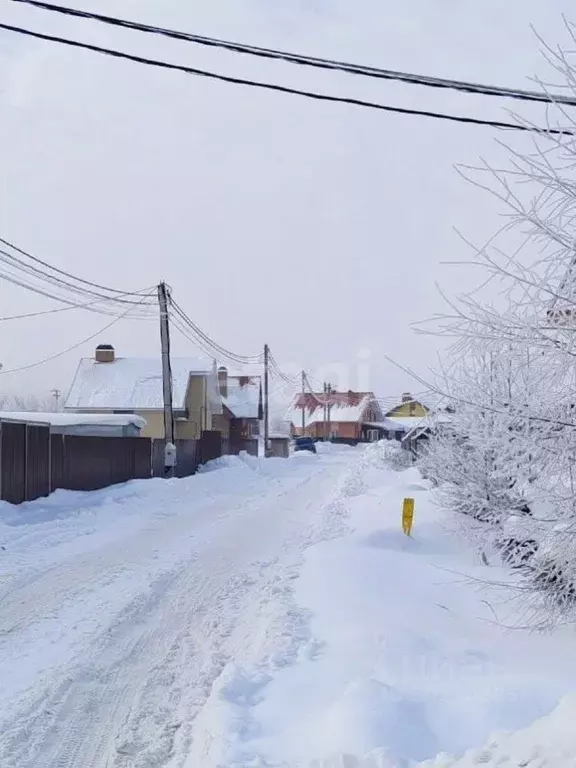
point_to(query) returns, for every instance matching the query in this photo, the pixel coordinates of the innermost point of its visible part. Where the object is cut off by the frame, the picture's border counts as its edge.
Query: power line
(279, 372)
(51, 280)
(207, 340)
(55, 311)
(310, 61)
(319, 400)
(68, 349)
(45, 264)
(92, 306)
(285, 89)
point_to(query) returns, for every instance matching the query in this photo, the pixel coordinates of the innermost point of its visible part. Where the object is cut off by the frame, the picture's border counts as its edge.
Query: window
(373, 435)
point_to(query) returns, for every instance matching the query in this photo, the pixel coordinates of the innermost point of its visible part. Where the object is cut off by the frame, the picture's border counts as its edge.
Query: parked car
(304, 444)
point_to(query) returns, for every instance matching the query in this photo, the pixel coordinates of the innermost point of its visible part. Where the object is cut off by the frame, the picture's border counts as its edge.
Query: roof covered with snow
(133, 383)
(75, 419)
(243, 396)
(429, 400)
(348, 407)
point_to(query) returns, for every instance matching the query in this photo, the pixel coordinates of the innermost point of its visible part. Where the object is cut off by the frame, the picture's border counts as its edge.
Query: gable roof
(428, 400)
(345, 407)
(132, 383)
(243, 397)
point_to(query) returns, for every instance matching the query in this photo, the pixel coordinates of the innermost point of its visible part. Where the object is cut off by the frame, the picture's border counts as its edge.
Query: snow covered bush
(480, 459)
(393, 454)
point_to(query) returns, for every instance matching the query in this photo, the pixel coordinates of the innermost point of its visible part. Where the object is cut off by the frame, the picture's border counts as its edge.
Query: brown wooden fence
(87, 463)
(188, 452)
(33, 462)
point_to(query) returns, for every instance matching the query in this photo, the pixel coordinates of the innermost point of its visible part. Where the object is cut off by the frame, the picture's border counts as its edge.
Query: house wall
(344, 429)
(199, 418)
(184, 429)
(408, 409)
(221, 423)
(154, 424)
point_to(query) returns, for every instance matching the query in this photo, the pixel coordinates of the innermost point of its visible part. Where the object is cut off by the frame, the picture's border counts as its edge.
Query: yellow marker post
(407, 516)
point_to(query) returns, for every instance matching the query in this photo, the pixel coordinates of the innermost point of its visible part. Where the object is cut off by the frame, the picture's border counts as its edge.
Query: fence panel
(188, 457)
(56, 462)
(91, 463)
(142, 457)
(158, 458)
(13, 462)
(210, 446)
(37, 461)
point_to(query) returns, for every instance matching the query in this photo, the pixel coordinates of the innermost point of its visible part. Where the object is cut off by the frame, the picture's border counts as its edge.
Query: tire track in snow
(131, 701)
(240, 686)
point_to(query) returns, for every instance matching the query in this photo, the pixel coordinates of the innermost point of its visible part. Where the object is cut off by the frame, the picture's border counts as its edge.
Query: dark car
(304, 444)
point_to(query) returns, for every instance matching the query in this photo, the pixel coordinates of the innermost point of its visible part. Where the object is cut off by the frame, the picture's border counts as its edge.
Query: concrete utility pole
(303, 403)
(328, 409)
(266, 399)
(325, 406)
(170, 447)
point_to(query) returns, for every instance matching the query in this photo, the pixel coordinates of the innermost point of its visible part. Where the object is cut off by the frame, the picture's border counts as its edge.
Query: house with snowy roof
(242, 407)
(343, 416)
(108, 384)
(410, 418)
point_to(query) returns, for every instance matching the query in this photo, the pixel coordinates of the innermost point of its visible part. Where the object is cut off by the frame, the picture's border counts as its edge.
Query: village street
(261, 613)
(119, 609)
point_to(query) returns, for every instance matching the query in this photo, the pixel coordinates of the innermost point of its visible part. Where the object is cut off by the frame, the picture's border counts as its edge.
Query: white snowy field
(267, 614)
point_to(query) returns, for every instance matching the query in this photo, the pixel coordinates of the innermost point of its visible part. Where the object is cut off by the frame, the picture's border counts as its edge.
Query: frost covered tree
(32, 403)
(509, 457)
(481, 459)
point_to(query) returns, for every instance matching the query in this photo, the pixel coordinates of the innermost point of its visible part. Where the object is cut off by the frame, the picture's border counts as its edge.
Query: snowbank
(549, 743)
(401, 658)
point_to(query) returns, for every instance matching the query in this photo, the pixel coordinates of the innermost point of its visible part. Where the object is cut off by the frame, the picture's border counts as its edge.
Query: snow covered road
(266, 614)
(119, 610)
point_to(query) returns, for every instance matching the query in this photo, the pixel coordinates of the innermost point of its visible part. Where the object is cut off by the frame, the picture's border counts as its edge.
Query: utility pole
(56, 394)
(328, 408)
(266, 399)
(325, 392)
(303, 403)
(170, 446)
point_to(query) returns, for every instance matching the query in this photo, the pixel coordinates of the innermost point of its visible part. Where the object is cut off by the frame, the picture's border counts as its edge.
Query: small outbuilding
(84, 424)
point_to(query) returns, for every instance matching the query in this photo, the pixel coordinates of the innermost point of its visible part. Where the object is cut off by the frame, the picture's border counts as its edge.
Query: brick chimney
(223, 380)
(105, 353)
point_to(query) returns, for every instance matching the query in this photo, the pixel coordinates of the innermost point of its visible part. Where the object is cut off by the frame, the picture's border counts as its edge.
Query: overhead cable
(208, 341)
(92, 306)
(292, 380)
(21, 268)
(285, 89)
(59, 271)
(56, 310)
(310, 61)
(68, 349)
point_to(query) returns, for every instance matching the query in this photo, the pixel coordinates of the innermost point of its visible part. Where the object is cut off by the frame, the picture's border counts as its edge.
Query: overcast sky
(318, 228)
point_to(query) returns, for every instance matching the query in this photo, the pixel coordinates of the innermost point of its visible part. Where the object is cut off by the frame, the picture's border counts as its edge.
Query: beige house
(106, 383)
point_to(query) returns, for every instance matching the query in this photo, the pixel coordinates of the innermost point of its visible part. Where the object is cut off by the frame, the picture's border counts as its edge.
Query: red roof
(311, 401)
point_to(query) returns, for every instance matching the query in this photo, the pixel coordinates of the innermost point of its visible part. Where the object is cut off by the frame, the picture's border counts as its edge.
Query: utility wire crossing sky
(356, 69)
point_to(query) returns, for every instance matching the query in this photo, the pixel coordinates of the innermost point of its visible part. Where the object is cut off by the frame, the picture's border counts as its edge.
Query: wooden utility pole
(303, 403)
(170, 447)
(266, 399)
